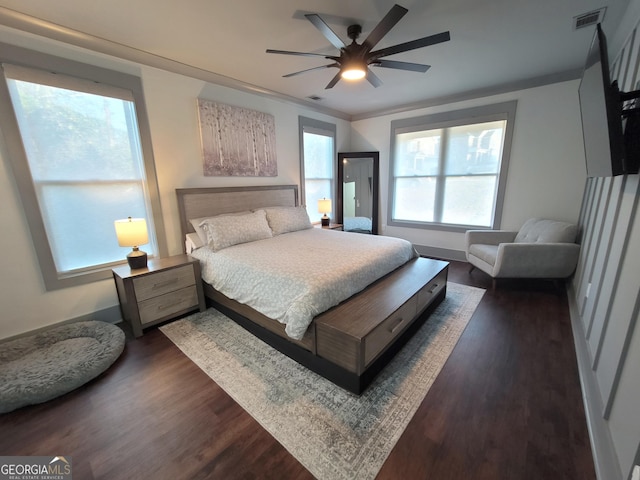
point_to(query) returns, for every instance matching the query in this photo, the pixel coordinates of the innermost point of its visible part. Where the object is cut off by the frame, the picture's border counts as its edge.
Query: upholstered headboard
(207, 202)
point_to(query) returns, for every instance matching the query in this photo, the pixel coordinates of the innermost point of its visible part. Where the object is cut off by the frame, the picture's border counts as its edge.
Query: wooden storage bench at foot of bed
(379, 317)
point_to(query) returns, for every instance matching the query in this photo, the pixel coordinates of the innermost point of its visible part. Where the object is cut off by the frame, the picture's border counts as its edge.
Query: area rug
(335, 434)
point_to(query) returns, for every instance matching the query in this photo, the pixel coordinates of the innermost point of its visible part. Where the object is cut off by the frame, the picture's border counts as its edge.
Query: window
(318, 153)
(79, 151)
(449, 170)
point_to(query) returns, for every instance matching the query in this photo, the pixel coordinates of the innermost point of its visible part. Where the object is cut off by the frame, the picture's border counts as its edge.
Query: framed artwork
(237, 142)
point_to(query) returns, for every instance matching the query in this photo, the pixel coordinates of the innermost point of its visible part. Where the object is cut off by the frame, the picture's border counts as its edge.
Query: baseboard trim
(109, 315)
(443, 253)
(604, 456)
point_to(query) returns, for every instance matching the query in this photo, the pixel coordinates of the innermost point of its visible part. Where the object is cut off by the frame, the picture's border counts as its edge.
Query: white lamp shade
(131, 232)
(324, 205)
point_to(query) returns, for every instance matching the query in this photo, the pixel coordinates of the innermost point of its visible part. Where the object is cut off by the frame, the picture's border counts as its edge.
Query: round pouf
(43, 366)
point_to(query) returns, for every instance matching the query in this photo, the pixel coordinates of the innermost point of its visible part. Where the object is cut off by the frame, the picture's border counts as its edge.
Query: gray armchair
(541, 249)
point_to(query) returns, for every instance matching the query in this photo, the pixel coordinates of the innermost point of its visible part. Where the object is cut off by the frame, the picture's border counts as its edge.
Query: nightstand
(167, 288)
(332, 226)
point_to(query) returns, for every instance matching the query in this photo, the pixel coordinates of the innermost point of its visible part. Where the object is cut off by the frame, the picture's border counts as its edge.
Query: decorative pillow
(195, 222)
(288, 219)
(226, 231)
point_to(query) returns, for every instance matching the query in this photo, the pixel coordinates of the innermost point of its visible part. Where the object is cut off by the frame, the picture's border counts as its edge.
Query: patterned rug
(333, 433)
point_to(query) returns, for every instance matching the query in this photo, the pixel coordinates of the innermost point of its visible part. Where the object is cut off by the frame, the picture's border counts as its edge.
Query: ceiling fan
(355, 59)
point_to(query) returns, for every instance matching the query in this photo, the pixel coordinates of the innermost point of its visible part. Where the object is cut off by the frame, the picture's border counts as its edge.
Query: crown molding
(474, 94)
(36, 26)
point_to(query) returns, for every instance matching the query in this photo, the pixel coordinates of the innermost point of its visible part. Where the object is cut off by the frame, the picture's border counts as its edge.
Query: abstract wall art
(237, 141)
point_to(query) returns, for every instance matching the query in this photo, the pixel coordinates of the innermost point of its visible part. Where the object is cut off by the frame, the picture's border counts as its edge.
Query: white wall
(546, 171)
(605, 294)
(171, 105)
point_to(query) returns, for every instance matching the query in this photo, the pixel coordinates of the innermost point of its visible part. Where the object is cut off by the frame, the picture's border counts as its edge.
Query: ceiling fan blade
(413, 67)
(412, 45)
(373, 79)
(304, 54)
(325, 30)
(310, 69)
(333, 81)
(387, 23)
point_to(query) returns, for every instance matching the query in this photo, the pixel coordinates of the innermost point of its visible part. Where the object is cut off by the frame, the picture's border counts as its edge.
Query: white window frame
(22, 57)
(311, 125)
(489, 113)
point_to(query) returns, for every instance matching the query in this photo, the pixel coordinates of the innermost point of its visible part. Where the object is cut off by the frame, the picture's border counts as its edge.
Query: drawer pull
(397, 325)
(164, 284)
(433, 289)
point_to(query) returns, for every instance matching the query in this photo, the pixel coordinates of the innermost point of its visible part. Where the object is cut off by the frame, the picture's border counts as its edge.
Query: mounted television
(601, 110)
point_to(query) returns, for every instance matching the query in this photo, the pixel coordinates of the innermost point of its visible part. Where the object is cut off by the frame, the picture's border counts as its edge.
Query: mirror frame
(375, 181)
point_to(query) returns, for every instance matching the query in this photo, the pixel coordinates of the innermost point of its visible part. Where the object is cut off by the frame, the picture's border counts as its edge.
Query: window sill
(443, 227)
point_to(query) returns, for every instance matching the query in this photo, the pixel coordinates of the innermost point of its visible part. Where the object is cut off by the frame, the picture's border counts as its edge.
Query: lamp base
(137, 259)
(324, 221)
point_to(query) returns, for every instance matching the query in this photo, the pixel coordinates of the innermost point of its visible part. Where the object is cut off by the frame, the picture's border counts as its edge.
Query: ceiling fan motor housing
(354, 31)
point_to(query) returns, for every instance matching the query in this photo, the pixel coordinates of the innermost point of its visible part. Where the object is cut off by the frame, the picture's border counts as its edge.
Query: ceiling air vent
(589, 18)
(315, 97)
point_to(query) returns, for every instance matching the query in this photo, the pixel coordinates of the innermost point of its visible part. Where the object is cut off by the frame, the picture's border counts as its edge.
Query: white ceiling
(495, 44)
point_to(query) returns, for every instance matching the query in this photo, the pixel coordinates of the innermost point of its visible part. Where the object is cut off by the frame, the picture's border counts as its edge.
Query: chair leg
(471, 268)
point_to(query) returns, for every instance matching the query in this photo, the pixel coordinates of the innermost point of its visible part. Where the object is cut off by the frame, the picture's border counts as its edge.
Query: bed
(347, 342)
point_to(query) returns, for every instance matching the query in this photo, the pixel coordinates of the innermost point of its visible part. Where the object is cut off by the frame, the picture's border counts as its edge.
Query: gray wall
(605, 294)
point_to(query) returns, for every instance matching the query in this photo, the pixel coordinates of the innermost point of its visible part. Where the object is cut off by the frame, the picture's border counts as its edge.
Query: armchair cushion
(486, 253)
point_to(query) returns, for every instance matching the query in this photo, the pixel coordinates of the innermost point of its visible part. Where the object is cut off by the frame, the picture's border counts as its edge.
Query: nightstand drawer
(149, 286)
(167, 304)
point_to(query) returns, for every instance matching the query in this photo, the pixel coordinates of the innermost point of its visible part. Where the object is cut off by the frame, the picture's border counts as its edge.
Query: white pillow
(287, 219)
(228, 230)
(195, 222)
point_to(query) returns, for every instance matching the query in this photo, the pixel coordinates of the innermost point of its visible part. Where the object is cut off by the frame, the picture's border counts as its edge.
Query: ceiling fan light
(353, 73)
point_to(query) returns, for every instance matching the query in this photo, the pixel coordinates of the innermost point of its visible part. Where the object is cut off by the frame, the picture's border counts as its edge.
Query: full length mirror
(357, 192)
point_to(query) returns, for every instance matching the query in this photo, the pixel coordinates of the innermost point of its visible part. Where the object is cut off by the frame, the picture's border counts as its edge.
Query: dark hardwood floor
(507, 405)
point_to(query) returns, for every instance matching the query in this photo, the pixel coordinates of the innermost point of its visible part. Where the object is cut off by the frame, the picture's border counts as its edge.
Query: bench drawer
(382, 336)
(427, 293)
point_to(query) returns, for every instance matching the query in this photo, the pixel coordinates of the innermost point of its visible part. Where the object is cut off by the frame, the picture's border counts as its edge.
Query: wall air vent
(589, 18)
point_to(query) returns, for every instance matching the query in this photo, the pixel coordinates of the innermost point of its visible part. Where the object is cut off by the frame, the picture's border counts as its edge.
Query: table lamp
(132, 232)
(324, 206)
